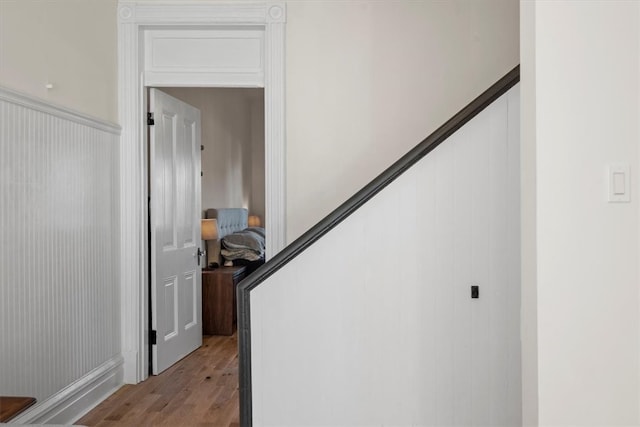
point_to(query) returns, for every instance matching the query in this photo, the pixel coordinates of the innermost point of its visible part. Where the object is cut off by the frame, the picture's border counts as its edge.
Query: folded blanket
(257, 230)
(247, 244)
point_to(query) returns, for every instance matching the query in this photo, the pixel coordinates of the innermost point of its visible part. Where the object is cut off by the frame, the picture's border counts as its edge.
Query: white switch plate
(618, 190)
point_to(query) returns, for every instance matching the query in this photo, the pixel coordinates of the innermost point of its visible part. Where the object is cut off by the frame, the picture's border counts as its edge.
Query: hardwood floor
(200, 390)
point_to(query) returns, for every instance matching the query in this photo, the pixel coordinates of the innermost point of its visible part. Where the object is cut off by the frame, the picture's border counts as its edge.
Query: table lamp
(209, 231)
(254, 221)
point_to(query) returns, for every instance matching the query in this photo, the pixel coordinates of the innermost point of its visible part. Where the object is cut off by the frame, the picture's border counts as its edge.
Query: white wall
(583, 70)
(59, 287)
(59, 311)
(68, 43)
(374, 324)
(528, 216)
(367, 81)
(233, 139)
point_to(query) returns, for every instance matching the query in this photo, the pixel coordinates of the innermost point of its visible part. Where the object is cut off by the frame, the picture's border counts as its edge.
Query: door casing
(134, 19)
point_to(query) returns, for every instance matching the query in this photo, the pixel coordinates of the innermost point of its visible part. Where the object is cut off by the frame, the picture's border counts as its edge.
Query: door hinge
(153, 337)
(150, 121)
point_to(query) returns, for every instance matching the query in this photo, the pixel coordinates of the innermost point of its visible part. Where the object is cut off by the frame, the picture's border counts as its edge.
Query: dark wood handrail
(339, 215)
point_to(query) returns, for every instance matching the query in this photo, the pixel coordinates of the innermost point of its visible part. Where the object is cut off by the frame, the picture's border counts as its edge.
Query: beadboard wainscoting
(59, 281)
(375, 323)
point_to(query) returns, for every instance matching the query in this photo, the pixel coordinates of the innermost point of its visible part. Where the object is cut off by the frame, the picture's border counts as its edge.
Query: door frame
(134, 18)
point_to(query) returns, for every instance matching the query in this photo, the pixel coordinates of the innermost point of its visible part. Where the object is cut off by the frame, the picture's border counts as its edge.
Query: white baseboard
(75, 400)
(131, 374)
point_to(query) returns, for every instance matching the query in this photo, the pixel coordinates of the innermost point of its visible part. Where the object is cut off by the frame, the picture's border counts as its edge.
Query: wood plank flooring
(10, 406)
(200, 390)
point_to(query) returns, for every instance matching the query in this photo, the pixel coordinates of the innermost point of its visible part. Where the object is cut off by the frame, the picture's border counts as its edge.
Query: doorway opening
(232, 163)
(208, 44)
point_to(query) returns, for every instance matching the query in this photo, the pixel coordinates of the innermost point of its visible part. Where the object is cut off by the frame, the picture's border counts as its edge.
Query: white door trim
(133, 18)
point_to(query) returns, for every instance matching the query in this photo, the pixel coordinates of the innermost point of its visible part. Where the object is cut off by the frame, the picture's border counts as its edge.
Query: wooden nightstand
(219, 314)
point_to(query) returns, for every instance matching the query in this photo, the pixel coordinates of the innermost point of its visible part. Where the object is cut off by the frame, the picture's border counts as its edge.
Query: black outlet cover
(475, 292)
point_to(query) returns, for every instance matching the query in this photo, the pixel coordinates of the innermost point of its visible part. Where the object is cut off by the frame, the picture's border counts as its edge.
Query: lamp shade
(254, 221)
(209, 229)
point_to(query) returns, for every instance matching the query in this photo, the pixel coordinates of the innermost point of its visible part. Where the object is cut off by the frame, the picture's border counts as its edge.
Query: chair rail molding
(134, 19)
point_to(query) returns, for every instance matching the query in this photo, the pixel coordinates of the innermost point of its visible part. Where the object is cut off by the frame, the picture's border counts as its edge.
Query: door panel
(176, 291)
(170, 313)
(190, 301)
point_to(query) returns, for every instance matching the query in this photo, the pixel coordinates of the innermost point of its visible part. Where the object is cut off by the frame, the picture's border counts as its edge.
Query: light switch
(618, 185)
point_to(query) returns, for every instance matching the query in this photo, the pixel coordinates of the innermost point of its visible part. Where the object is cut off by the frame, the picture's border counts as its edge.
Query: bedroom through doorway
(232, 180)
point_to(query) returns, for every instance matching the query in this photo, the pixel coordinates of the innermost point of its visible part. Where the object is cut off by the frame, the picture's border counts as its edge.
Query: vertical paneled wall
(59, 290)
(374, 323)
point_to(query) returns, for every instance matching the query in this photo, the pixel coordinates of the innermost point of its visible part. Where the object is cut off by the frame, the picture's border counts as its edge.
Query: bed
(237, 243)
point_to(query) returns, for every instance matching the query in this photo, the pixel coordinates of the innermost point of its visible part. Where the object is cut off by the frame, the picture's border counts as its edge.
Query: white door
(176, 296)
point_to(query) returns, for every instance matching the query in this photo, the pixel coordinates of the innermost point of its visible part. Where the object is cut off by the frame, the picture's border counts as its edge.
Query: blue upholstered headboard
(230, 220)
